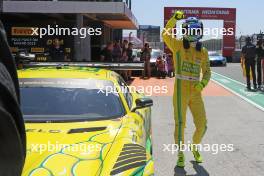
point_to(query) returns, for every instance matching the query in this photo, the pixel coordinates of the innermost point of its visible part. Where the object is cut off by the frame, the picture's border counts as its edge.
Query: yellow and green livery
(77, 127)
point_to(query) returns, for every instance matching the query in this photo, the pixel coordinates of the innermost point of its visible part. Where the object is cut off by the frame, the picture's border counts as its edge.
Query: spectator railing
(105, 65)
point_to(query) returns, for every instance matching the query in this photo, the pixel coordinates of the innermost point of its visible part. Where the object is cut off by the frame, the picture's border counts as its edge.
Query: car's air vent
(132, 156)
(85, 130)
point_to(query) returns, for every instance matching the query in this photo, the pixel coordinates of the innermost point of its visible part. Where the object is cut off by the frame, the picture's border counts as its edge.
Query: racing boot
(249, 88)
(181, 160)
(255, 87)
(259, 87)
(197, 156)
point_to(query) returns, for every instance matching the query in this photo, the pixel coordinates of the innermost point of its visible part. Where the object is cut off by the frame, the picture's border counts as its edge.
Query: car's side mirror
(143, 103)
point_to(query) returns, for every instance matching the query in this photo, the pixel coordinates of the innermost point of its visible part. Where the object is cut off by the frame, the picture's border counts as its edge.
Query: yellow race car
(83, 121)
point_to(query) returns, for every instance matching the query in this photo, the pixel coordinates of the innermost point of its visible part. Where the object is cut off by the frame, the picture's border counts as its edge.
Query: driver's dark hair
(186, 45)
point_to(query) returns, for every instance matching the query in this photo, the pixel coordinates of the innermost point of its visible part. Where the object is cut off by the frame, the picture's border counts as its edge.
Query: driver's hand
(179, 15)
(199, 87)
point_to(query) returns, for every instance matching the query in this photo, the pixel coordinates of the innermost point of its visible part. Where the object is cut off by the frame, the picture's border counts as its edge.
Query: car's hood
(129, 155)
(68, 148)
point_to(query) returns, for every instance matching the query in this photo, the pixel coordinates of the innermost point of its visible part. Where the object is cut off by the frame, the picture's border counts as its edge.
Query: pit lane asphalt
(232, 70)
(231, 120)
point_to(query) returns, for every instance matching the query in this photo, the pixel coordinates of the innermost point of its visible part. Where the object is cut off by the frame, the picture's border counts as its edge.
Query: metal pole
(1, 5)
(78, 54)
(130, 37)
(130, 4)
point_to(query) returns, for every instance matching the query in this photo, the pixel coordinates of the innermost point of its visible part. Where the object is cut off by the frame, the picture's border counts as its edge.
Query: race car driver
(190, 60)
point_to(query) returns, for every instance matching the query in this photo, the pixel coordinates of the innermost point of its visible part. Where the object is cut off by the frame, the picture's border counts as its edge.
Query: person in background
(130, 59)
(130, 52)
(161, 70)
(260, 60)
(117, 51)
(57, 51)
(262, 71)
(125, 45)
(107, 53)
(145, 56)
(124, 58)
(170, 66)
(248, 57)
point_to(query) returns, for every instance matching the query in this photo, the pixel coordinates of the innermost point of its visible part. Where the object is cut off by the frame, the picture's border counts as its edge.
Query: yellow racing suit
(189, 64)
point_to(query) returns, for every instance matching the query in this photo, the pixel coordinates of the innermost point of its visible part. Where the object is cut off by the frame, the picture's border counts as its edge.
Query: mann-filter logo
(24, 31)
(191, 68)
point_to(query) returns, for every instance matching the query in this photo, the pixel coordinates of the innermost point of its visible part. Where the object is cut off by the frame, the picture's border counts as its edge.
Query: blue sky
(249, 21)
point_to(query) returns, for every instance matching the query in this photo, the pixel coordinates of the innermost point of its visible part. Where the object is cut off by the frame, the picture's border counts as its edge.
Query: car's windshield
(69, 100)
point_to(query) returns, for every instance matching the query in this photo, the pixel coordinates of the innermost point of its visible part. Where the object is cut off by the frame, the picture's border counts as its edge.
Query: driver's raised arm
(168, 33)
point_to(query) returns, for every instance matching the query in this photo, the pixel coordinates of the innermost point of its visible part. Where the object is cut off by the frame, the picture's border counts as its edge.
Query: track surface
(231, 120)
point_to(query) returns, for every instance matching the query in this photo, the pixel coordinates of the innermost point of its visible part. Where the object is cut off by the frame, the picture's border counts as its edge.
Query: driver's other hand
(179, 15)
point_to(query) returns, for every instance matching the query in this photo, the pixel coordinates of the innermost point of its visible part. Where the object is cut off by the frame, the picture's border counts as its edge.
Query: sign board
(228, 15)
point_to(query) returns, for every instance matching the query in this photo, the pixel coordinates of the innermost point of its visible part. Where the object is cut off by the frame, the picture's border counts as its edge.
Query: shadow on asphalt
(200, 170)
